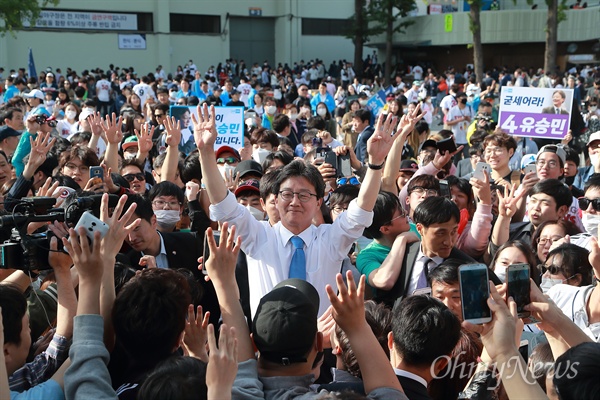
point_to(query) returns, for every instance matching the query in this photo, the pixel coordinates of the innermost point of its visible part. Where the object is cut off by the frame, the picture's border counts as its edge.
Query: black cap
(285, 323)
(428, 143)
(248, 166)
(6, 132)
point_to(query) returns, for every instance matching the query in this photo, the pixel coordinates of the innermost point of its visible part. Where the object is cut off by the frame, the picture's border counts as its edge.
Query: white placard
(230, 124)
(132, 42)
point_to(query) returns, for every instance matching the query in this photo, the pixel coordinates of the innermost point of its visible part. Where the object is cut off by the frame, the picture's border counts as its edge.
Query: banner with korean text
(536, 112)
(229, 120)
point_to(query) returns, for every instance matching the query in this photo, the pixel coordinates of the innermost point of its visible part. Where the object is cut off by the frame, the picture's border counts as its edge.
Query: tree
(14, 12)
(375, 18)
(556, 15)
(475, 25)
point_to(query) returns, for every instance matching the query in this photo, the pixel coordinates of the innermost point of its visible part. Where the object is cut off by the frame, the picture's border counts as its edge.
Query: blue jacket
(329, 102)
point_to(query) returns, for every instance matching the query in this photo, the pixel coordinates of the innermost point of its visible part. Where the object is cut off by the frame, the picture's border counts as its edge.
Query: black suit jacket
(412, 389)
(183, 250)
(551, 110)
(361, 144)
(400, 289)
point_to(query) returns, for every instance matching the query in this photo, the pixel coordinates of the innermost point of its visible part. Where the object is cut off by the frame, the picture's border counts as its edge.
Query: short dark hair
(436, 210)
(263, 135)
(501, 140)
(343, 195)
(362, 114)
(166, 188)
(592, 183)
(574, 260)
(85, 154)
(267, 184)
(144, 206)
(316, 122)
(282, 156)
(134, 162)
(280, 122)
(299, 168)
(176, 378)
(418, 324)
(385, 206)
(150, 312)
(191, 168)
(446, 272)
(424, 181)
(556, 189)
(14, 307)
(576, 372)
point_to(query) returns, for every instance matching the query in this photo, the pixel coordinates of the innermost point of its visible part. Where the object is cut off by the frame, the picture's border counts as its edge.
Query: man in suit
(558, 98)
(437, 220)
(170, 250)
(361, 123)
(416, 352)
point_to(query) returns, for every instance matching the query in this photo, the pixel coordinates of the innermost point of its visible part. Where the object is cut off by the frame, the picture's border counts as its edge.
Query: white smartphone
(91, 224)
(479, 168)
(474, 292)
(530, 168)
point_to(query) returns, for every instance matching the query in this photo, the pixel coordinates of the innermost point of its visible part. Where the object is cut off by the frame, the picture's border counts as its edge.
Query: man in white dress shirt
(300, 189)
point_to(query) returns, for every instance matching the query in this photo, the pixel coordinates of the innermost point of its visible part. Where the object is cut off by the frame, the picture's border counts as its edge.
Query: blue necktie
(422, 282)
(298, 264)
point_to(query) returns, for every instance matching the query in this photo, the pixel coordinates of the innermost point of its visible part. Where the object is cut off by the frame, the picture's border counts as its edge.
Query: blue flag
(31, 65)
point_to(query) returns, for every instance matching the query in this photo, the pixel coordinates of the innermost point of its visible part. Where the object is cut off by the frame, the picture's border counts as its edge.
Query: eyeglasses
(227, 160)
(339, 209)
(476, 156)
(159, 115)
(402, 215)
(544, 240)
(72, 167)
(131, 177)
(52, 124)
(348, 181)
(288, 195)
(551, 164)
(421, 191)
(584, 203)
(494, 150)
(162, 204)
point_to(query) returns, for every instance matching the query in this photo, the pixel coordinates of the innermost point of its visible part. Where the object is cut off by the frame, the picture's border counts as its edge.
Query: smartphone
(474, 292)
(530, 168)
(322, 152)
(206, 252)
(517, 280)
(331, 159)
(447, 145)
(91, 223)
(97, 172)
(445, 189)
(344, 166)
(423, 291)
(479, 168)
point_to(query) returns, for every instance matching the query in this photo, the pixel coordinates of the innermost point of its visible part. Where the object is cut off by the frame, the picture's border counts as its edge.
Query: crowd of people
(321, 259)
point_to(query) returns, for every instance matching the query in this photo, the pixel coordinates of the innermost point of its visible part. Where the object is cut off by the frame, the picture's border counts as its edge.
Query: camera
(485, 122)
(29, 252)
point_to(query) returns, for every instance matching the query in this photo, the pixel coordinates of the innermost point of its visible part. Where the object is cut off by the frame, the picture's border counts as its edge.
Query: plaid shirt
(43, 366)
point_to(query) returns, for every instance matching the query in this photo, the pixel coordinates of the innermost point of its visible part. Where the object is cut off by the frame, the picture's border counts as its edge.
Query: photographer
(39, 121)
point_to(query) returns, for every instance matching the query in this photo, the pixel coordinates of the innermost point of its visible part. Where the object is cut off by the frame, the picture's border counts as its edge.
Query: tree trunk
(389, 33)
(359, 34)
(475, 15)
(551, 37)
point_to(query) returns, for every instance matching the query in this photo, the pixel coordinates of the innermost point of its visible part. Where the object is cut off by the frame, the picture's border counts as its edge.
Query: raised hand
(119, 226)
(112, 129)
(222, 363)
(205, 127)
(88, 261)
(481, 189)
(144, 139)
(39, 149)
(195, 333)
(349, 305)
(48, 189)
(173, 129)
(507, 205)
(95, 121)
(380, 143)
(221, 263)
(439, 160)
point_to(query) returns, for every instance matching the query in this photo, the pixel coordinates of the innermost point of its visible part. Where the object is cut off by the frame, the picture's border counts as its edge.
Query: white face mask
(501, 273)
(70, 114)
(259, 155)
(594, 158)
(128, 155)
(363, 102)
(547, 283)
(250, 122)
(322, 112)
(167, 219)
(593, 108)
(271, 110)
(590, 223)
(226, 170)
(293, 117)
(256, 213)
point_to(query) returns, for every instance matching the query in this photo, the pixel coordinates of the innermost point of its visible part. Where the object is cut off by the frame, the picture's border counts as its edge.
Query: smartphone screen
(517, 280)
(97, 172)
(445, 189)
(474, 292)
(206, 252)
(345, 166)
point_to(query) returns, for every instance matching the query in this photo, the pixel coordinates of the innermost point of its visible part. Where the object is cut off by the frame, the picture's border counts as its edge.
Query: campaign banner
(376, 102)
(536, 112)
(229, 120)
(54, 19)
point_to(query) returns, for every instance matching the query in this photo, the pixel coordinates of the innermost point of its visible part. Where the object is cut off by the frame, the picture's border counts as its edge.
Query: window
(190, 23)
(324, 26)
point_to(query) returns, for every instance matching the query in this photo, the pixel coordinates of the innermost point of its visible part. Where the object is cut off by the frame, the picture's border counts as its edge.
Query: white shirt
(244, 90)
(418, 268)
(269, 251)
(448, 102)
(144, 91)
(417, 72)
(460, 129)
(572, 300)
(103, 90)
(410, 375)
(161, 258)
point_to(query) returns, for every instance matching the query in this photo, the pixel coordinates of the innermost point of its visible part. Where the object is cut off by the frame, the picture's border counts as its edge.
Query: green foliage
(14, 12)
(376, 16)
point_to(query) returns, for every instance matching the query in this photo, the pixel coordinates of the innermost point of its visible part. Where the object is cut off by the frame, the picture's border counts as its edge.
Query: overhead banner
(84, 20)
(536, 112)
(230, 124)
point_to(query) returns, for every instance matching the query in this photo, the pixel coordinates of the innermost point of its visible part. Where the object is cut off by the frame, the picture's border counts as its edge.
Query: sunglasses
(132, 177)
(227, 160)
(585, 203)
(348, 181)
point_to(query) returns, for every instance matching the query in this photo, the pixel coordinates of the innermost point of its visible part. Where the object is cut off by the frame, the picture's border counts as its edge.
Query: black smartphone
(474, 292)
(331, 159)
(344, 166)
(206, 252)
(517, 280)
(445, 189)
(447, 145)
(97, 172)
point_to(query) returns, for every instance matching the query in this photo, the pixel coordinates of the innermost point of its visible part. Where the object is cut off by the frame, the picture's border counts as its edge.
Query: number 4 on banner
(509, 125)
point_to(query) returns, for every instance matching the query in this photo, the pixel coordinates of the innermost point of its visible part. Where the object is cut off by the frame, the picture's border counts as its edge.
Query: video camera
(30, 252)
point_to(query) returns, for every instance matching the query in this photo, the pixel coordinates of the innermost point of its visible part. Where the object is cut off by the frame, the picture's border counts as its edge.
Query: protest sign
(229, 121)
(376, 102)
(536, 112)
